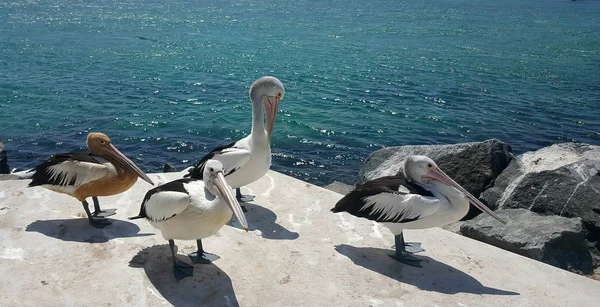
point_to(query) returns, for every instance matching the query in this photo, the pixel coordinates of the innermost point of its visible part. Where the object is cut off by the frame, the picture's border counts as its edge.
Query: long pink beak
(128, 164)
(271, 106)
(439, 175)
(226, 194)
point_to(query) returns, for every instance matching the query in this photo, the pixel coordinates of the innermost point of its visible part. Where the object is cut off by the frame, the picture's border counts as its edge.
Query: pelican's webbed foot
(201, 256)
(181, 269)
(99, 212)
(243, 198)
(404, 251)
(413, 247)
(96, 221)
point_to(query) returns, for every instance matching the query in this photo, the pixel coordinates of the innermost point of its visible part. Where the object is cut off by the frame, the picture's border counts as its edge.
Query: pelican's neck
(455, 197)
(258, 119)
(121, 170)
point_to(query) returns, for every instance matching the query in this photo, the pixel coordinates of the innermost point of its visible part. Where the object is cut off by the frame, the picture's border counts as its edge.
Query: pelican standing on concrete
(192, 209)
(83, 175)
(423, 197)
(248, 159)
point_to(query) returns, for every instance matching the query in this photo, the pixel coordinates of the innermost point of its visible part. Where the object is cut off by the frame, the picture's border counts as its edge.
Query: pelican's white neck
(258, 119)
(454, 196)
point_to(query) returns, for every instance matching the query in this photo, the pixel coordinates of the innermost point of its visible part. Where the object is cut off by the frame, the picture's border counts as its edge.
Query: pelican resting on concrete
(423, 197)
(248, 159)
(192, 209)
(85, 174)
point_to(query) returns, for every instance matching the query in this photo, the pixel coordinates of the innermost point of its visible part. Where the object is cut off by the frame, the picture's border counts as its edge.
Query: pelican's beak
(120, 157)
(271, 105)
(439, 175)
(226, 194)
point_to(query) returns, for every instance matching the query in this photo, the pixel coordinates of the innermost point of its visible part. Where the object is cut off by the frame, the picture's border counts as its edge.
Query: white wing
(398, 208)
(164, 205)
(232, 158)
(75, 173)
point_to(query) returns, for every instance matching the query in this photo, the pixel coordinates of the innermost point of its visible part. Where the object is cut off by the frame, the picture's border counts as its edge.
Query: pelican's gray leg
(402, 255)
(409, 247)
(243, 198)
(181, 269)
(201, 256)
(98, 222)
(101, 213)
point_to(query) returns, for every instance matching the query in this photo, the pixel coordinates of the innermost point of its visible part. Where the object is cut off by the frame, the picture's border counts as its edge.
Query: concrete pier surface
(297, 253)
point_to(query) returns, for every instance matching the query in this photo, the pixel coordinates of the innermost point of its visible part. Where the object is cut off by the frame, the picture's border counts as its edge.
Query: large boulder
(473, 165)
(555, 240)
(4, 169)
(562, 179)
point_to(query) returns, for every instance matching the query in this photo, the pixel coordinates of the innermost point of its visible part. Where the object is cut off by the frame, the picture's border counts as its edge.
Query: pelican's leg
(101, 213)
(402, 255)
(201, 256)
(243, 198)
(181, 269)
(98, 222)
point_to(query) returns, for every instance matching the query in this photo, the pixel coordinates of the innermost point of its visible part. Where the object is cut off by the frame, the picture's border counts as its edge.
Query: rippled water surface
(168, 80)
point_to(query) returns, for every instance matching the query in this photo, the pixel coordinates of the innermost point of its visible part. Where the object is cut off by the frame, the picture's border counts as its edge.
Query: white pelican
(424, 197)
(83, 175)
(192, 209)
(248, 159)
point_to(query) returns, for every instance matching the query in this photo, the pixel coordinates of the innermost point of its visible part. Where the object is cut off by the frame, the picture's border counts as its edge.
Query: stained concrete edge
(297, 253)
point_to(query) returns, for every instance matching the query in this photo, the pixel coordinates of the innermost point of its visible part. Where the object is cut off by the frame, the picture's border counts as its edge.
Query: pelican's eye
(210, 169)
(102, 142)
(279, 95)
(429, 166)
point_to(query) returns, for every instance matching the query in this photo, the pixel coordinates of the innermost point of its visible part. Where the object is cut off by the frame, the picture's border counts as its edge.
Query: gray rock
(562, 180)
(4, 169)
(473, 165)
(555, 240)
(168, 168)
(339, 187)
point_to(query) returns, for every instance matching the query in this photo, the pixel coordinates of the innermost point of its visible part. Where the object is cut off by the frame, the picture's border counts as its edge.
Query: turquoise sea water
(168, 80)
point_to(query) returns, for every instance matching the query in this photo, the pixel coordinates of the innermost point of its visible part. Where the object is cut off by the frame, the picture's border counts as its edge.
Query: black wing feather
(174, 186)
(354, 201)
(41, 176)
(197, 171)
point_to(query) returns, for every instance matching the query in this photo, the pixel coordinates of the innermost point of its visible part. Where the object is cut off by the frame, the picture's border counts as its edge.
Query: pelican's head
(424, 171)
(269, 91)
(217, 185)
(100, 145)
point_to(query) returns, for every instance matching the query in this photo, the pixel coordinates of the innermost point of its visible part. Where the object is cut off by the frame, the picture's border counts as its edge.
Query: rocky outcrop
(4, 169)
(562, 180)
(168, 168)
(555, 240)
(473, 165)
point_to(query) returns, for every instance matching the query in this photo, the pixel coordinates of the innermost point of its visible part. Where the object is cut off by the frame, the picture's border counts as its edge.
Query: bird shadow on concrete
(80, 230)
(209, 286)
(433, 276)
(263, 219)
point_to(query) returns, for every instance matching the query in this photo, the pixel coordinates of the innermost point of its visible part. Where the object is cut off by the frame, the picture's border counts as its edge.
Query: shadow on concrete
(263, 219)
(80, 230)
(434, 276)
(209, 286)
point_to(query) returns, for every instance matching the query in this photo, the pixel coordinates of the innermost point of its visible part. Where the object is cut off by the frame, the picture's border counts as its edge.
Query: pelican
(84, 174)
(192, 209)
(422, 197)
(248, 159)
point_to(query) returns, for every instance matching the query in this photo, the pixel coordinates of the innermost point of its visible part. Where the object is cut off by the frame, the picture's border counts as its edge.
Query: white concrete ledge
(296, 254)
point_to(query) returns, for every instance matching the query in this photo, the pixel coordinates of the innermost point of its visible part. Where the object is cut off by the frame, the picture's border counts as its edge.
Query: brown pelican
(84, 174)
(248, 159)
(192, 209)
(423, 197)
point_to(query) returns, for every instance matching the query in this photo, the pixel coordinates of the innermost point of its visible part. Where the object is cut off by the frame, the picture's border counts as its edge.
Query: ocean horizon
(168, 81)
